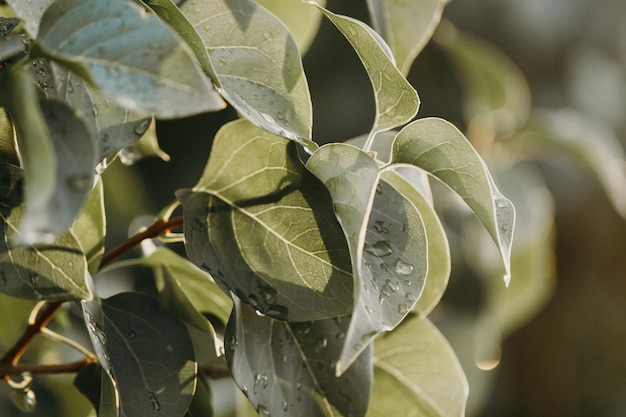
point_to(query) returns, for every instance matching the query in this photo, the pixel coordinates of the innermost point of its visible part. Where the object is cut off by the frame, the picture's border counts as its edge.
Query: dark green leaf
(146, 352)
(129, 54)
(396, 100)
(441, 149)
(288, 369)
(416, 373)
(264, 227)
(257, 63)
(406, 26)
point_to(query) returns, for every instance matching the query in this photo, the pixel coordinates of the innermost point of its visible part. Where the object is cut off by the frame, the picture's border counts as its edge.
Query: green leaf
(439, 148)
(146, 147)
(202, 403)
(257, 63)
(30, 12)
(90, 227)
(406, 26)
(264, 227)
(8, 151)
(147, 353)
(7, 24)
(386, 239)
(302, 21)
(417, 374)
(496, 100)
(129, 54)
(114, 126)
(397, 101)
(287, 369)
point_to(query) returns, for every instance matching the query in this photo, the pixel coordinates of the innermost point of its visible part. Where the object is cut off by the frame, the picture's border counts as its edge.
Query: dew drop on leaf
(320, 344)
(155, 402)
(340, 335)
(403, 268)
(379, 249)
(268, 293)
(410, 297)
(403, 309)
(131, 334)
(25, 401)
(263, 411)
(142, 127)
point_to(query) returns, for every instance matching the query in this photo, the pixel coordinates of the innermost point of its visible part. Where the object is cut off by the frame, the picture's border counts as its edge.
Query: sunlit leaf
(148, 354)
(257, 63)
(441, 149)
(8, 152)
(496, 100)
(89, 227)
(406, 26)
(396, 100)
(264, 226)
(302, 21)
(288, 369)
(417, 374)
(129, 54)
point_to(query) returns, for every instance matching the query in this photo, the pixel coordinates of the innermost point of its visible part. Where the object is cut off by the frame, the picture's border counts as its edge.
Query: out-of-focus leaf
(591, 142)
(89, 227)
(202, 403)
(302, 21)
(264, 227)
(30, 12)
(147, 353)
(441, 149)
(416, 373)
(497, 96)
(7, 24)
(257, 63)
(397, 101)
(288, 369)
(8, 152)
(406, 26)
(129, 54)
(386, 239)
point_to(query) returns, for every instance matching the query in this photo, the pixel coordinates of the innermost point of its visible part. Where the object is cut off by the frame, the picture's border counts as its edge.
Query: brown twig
(8, 363)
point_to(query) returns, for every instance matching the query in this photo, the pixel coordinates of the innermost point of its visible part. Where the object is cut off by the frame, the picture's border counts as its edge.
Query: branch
(7, 369)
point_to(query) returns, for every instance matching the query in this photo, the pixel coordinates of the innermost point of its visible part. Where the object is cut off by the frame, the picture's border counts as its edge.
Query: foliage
(309, 270)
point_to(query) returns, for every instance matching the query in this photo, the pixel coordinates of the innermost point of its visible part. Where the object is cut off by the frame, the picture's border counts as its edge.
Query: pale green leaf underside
(406, 26)
(257, 63)
(129, 54)
(416, 374)
(439, 148)
(264, 226)
(397, 101)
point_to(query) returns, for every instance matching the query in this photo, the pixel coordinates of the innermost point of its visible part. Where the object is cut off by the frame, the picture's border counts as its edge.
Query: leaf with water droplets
(30, 12)
(288, 369)
(257, 63)
(439, 148)
(416, 371)
(152, 70)
(397, 101)
(132, 334)
(266, 229)
(386, 239)
(406, 26)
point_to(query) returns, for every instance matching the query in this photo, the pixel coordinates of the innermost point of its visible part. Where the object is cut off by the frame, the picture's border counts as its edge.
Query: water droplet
(285, 406)
(263, 411)
(403, 268)
(403, 309)
(502, 203)
(131, 334)
(298, 386)
(385, 267)
(268, 293)
(505, 227)
(24, 400)
(380, 227)
(94, 110)
(267, 118)
(155, 402)
(379, 189)
(223, 61)
(102, 166)
(340, 335)
(284, 358)
(320, 344)
(280, 116)
(410, 297)
(79, 183)
(380, 248)
(232, 343)
(142, 127)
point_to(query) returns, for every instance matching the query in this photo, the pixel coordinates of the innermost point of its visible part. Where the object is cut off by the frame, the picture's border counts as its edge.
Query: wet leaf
(288, 369)
(151, 71)
(416, 373)
(396, 100)
(302, 21)
(7, 24)
(266, 229)
(386, 239)
(30, 12)
(257, 63)
(439, 148)
(147, 353)
(406, 26)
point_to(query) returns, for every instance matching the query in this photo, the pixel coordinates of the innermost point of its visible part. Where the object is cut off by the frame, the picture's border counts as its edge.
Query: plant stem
(8, 363)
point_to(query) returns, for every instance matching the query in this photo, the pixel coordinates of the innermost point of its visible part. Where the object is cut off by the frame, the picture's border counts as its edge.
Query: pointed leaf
(287, 369)
(151, 70)
(417, 373)
(406, 26)
(396, 100)
(392, 262)
(302, 21)
(265, 228)
(257, 63)
(149, 355)
(441, 149)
